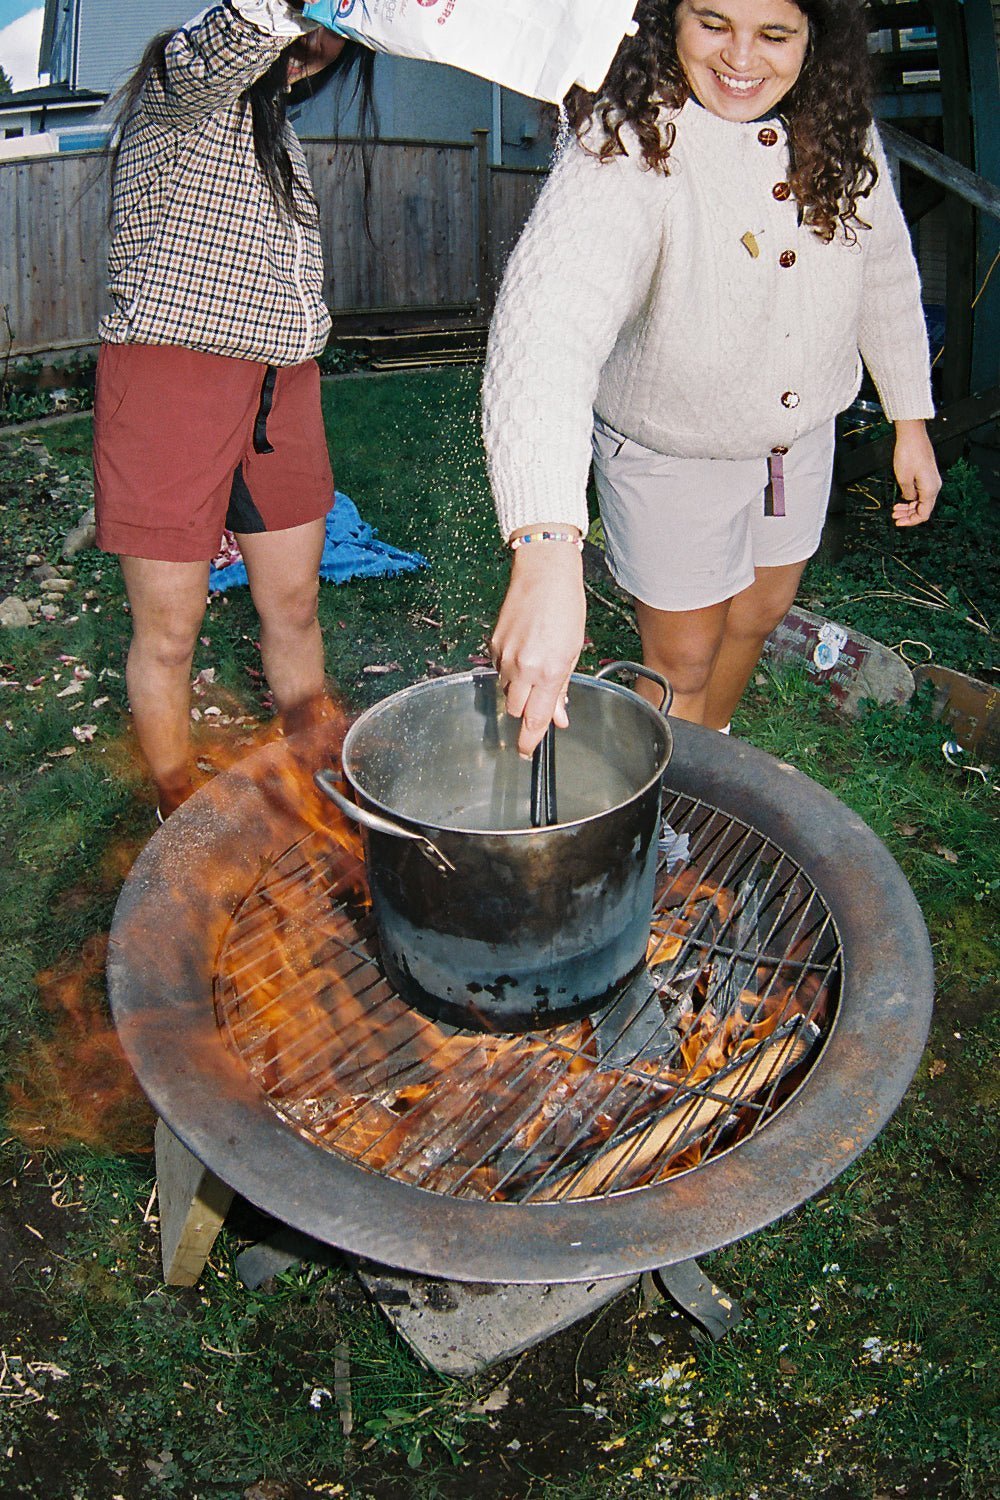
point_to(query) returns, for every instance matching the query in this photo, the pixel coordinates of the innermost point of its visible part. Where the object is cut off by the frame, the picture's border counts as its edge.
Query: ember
(742, 968)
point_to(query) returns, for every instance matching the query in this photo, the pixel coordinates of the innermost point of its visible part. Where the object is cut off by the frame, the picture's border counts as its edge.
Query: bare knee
(753, 619)
(168, 649)
(688, 673)
(292, 613)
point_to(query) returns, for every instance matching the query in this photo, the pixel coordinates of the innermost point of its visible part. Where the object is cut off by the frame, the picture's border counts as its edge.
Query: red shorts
(187, 444)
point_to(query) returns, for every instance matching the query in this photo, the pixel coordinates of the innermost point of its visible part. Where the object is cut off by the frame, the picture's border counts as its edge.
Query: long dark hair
(827, 112)
(266, 98)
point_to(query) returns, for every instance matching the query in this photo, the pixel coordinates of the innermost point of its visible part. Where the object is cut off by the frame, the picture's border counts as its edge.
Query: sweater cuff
(273, 17)
(516, 508)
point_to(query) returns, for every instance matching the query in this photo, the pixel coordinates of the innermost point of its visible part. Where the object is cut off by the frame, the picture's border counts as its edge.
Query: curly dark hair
(827, 112)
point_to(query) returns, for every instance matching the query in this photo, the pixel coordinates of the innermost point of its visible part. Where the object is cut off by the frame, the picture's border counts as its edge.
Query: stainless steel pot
(484, 921)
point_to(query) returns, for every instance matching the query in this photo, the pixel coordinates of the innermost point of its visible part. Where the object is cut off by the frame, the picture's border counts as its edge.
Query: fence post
(484, 214)
(956, 365)
(982, 23)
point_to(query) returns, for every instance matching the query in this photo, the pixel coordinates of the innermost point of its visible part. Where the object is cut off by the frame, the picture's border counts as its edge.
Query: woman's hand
(539, 635)
(916, 474)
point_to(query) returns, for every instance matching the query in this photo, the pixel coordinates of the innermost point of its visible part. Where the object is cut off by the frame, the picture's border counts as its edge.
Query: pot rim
(432, 684)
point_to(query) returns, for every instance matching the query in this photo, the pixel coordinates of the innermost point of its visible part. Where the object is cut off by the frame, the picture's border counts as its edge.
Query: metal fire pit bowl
(212, 861)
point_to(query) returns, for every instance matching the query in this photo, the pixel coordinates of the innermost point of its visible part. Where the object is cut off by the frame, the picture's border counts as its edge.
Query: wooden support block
(193, 1205)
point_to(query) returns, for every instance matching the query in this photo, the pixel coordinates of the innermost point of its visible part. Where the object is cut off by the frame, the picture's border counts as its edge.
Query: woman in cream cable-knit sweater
(713, 256)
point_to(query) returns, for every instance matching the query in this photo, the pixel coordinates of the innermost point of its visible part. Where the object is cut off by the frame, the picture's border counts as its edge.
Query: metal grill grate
(698, 1053)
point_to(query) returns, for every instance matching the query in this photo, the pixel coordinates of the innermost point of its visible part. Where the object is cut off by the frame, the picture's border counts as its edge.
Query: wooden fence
(442, 219)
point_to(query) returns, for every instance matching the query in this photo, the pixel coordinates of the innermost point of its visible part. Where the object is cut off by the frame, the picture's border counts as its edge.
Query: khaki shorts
(187, 443)
(684, 533)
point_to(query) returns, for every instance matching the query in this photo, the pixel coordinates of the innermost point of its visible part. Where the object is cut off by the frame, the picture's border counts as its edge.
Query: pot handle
(641, 671)
(377, 824)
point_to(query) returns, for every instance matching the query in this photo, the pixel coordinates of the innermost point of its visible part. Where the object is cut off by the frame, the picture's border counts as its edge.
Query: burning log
(682, 1124)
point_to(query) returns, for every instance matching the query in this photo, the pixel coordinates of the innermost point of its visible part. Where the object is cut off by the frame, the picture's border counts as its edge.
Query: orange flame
(75, 1086)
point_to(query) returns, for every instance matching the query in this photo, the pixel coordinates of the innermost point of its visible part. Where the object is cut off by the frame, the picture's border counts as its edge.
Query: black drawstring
(260, 442)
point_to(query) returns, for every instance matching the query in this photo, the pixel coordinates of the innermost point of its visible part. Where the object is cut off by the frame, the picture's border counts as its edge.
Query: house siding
(59, 64)
(423, 101)
(111, 38)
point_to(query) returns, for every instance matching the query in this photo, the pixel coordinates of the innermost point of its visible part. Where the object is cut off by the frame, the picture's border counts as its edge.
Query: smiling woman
(741, 58)
(713, 257)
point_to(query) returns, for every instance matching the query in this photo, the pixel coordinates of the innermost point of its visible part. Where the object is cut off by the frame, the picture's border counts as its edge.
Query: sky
(20, 34)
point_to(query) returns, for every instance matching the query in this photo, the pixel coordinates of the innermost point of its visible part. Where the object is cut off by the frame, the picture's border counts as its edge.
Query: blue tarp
(352, 550)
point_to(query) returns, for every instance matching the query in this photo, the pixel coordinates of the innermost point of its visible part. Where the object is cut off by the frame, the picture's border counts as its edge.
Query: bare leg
(168, 603)
(753, 614)
(683, 646)
(283, 568)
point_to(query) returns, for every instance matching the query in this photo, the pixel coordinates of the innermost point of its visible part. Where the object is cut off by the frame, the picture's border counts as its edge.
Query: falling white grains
(563, 131)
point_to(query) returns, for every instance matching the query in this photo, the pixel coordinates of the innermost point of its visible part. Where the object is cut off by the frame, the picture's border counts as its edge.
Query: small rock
(34, 605)
(90, 594)
(44, 571)
(82, 536)
(57, 585)
(14, 613)
(32, 560)
(49, 611)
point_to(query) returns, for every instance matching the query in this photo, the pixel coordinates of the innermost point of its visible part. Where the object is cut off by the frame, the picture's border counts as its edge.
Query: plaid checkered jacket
(201, 255)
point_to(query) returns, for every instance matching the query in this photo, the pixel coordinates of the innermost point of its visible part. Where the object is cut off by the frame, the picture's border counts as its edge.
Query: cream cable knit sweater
(642, 297)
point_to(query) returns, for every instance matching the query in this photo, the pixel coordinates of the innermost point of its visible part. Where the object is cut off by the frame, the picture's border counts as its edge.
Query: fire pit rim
(216, 1108)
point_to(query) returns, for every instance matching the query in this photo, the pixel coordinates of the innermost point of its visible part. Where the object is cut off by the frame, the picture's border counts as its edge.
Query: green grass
(929, 590)
(865, 1364)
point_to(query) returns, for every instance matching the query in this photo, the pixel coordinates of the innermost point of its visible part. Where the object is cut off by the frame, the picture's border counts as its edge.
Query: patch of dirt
(37, 1214)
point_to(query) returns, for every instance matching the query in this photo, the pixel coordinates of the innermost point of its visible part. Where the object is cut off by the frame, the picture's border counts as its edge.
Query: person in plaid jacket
(207, 413)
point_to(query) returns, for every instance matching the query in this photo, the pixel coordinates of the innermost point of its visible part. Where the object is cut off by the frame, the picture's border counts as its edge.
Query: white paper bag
(537, 47)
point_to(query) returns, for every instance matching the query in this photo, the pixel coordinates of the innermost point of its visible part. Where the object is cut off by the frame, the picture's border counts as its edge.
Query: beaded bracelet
(546, 536)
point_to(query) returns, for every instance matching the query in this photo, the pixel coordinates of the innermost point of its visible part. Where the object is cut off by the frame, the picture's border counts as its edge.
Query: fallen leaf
(68, 692)
(787, 1367)
(58, 754)
(495, 1401)
(906, 830)
(84, 733)
(946, 854)
(937, 1067)
(379, 670)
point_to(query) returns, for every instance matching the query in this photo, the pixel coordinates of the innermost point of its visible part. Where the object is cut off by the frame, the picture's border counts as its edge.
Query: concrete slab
(461, 1328)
